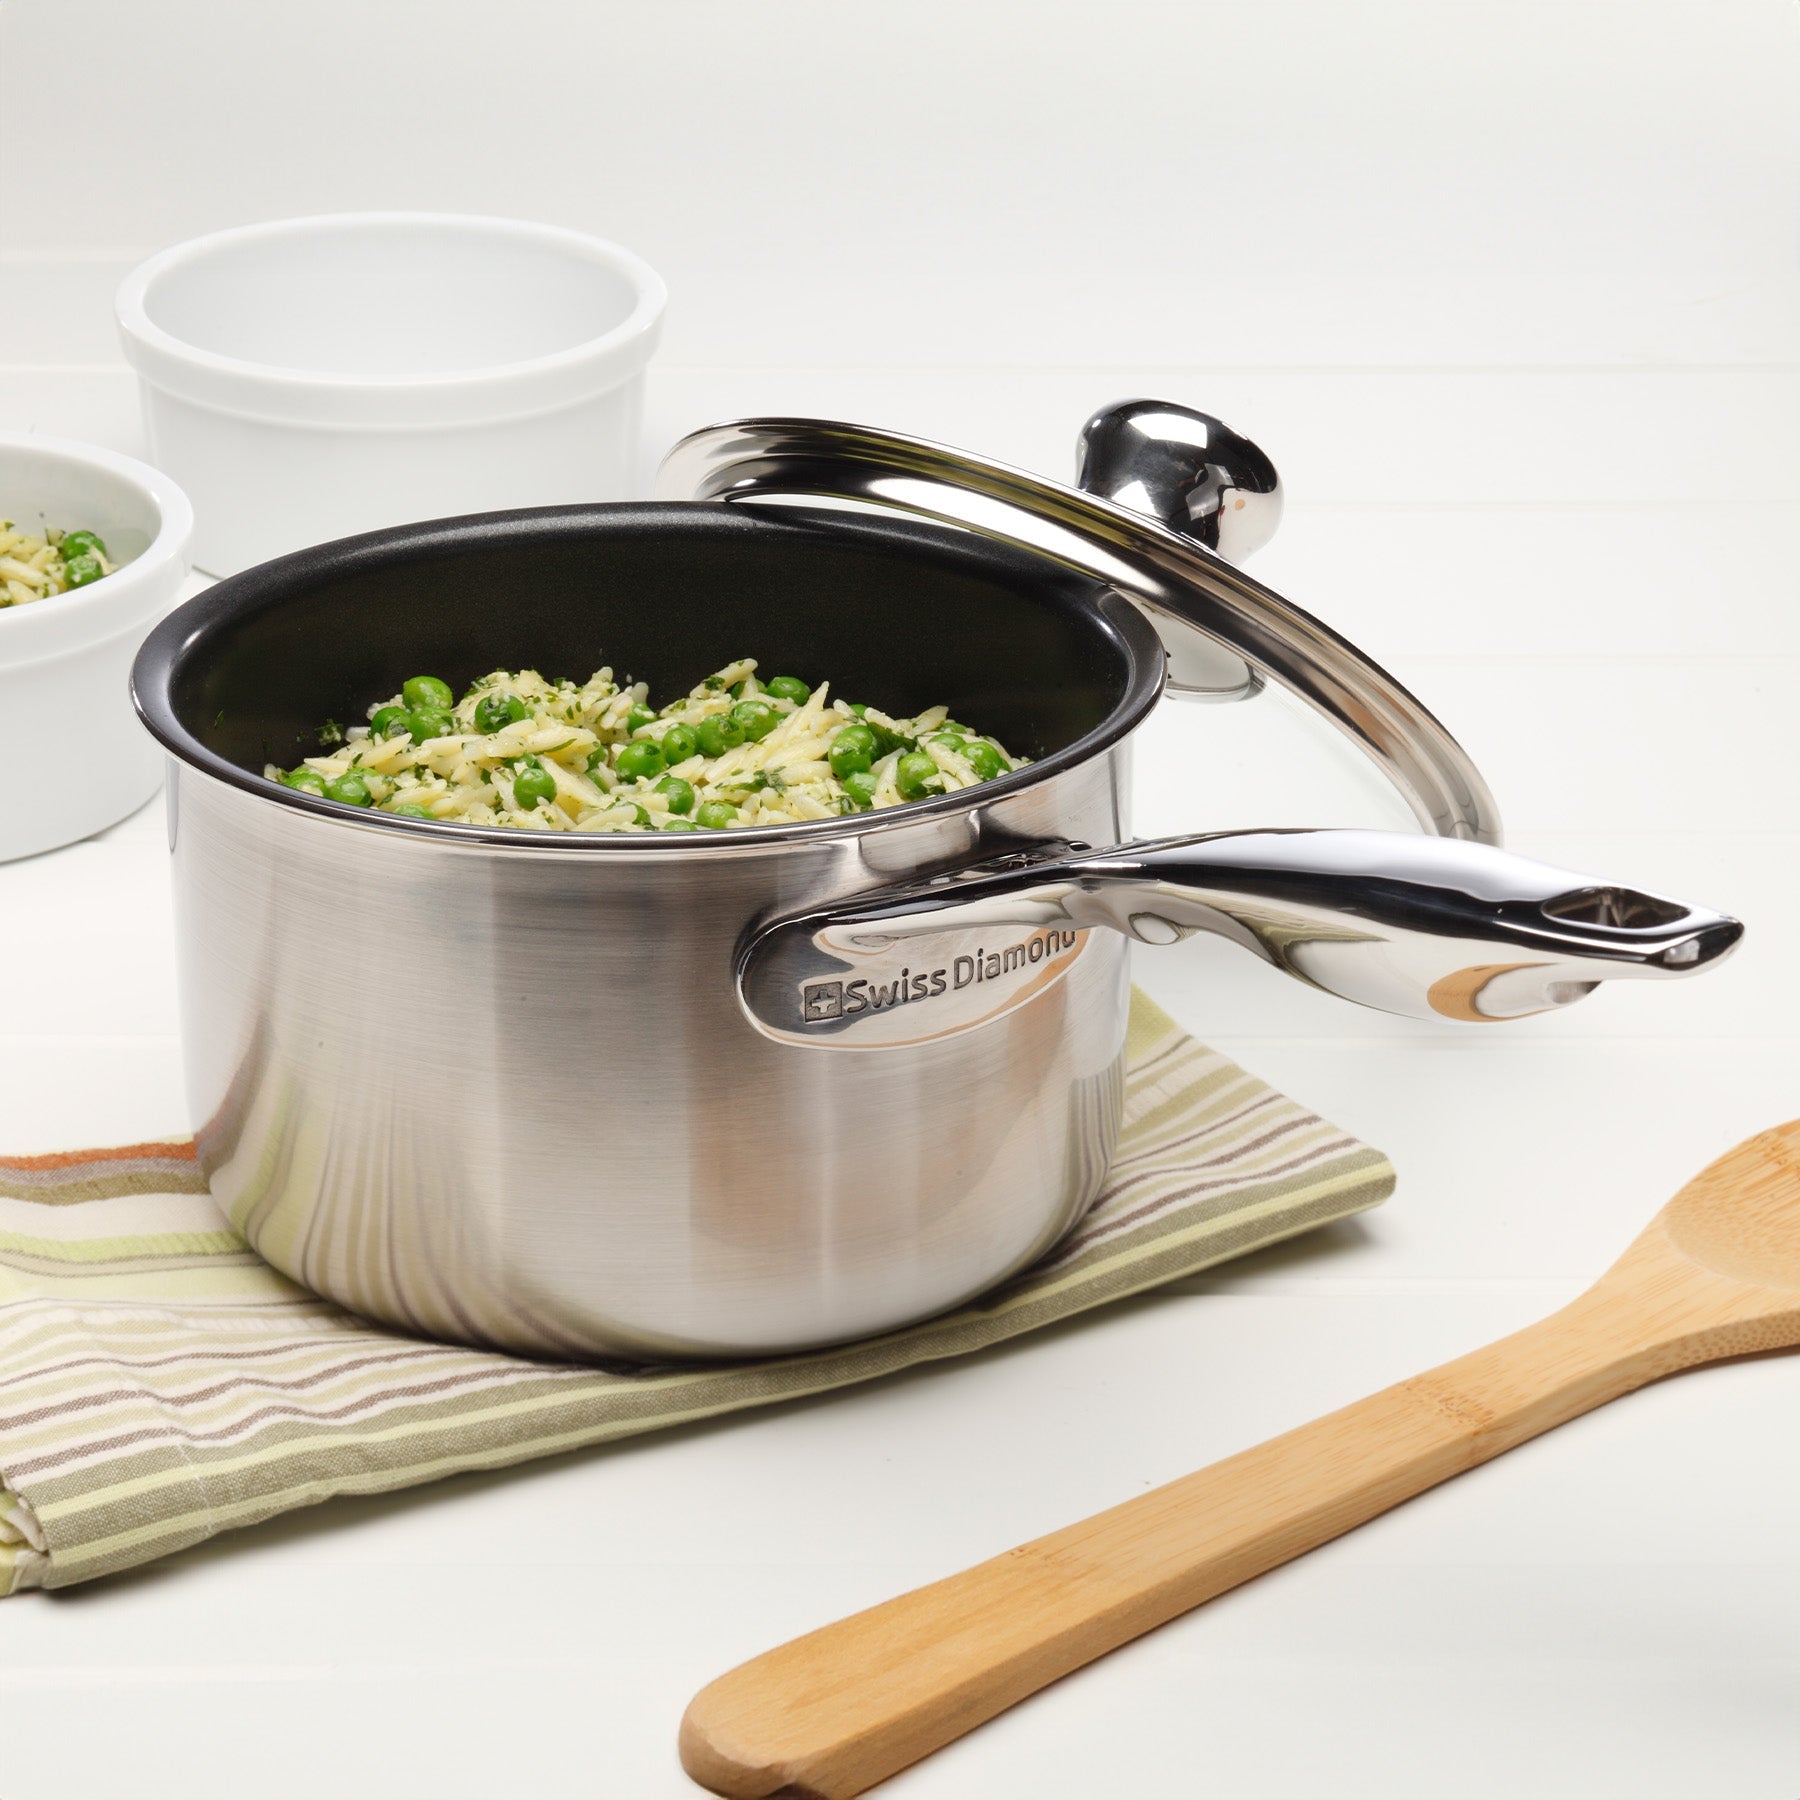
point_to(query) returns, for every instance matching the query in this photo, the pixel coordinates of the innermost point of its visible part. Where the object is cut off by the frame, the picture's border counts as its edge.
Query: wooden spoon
(1716, 1274)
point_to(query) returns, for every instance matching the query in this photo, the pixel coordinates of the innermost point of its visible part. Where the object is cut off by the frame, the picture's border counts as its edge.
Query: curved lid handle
(1223, 630)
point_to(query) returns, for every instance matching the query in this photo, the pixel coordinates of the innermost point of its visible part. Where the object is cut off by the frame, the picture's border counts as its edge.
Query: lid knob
(1186, 469)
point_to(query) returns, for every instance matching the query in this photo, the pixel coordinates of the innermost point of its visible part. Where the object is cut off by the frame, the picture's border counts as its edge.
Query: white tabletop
(1507, 291)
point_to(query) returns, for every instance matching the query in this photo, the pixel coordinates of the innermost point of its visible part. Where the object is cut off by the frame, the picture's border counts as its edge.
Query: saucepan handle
(1427, 927)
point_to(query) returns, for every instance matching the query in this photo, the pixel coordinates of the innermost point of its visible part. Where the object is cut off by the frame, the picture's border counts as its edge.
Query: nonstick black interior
(895, 612)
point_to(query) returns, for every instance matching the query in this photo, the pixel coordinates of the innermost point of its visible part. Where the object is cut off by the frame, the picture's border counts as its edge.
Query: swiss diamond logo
(822, 1000)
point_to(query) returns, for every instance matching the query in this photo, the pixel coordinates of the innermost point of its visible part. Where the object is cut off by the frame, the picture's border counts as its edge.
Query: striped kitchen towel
(160, 1384)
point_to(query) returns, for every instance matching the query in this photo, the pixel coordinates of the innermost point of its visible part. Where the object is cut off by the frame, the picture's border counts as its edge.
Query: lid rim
(1169, 577)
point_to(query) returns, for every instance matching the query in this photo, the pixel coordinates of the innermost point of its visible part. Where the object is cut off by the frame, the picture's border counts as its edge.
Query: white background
(1508, 290)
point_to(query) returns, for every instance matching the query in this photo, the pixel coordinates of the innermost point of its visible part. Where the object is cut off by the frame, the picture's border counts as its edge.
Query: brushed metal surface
(505, 1094)
(498, 1086)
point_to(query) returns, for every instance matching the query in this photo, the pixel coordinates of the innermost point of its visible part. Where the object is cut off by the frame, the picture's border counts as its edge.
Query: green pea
(409, 811)
(532, 787)
(985, 760)
(349, 790)
(916, 776)
(639, 759)
(680, 825)
(852, 750)
(308, 781)
(596, 758)
(81, 543)
(638, 718)
(429, 722)
(679, 742)
(641, 814)
(427, 690)
(755, 718)
(958, 746)
(720, 733)
(390, 721)
(494, 712)
(716, 815)
(78, 571)
(789, 687)
(859, 788)
(680, 793)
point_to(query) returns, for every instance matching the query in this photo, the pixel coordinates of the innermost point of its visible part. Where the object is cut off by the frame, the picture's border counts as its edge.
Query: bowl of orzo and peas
(93, 551)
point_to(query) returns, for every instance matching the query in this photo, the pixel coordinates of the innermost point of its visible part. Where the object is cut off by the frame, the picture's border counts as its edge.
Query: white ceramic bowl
(76, 758)
(310, 378)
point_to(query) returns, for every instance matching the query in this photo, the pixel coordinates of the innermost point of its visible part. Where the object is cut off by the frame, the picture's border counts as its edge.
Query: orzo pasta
(519, 750)
(34, 566)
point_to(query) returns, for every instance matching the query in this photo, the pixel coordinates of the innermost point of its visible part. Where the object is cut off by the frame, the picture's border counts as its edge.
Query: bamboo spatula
(1716, 1274)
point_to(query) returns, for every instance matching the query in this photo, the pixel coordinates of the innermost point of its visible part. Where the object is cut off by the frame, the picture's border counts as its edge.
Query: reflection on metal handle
(1411, 925)
(1223, 629)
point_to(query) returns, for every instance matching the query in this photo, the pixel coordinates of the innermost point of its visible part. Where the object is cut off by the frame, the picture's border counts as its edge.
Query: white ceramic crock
(77, 760)
(311, 378)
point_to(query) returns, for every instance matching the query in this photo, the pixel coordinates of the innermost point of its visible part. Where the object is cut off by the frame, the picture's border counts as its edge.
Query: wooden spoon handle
(840, 1709)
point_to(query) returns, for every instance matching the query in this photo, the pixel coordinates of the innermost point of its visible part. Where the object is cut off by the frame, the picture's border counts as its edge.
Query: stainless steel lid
(1167, 499)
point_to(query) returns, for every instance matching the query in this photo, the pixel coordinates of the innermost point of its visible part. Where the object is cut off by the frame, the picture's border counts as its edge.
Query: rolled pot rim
(163, 651)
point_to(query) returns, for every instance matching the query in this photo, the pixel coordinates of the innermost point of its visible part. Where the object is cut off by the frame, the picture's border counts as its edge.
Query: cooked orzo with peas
(557, 756)
(34, 567)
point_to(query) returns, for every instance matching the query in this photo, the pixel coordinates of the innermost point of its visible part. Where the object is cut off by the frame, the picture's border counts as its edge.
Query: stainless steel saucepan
(709, 1094)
